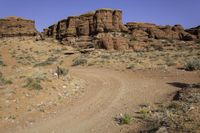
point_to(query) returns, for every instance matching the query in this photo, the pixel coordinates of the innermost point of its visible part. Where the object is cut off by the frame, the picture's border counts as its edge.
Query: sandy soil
(108, 94)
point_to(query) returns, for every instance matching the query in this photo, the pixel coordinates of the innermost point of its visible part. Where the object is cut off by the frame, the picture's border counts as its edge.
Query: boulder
(109, 42)
(106, 42)
(120, 43)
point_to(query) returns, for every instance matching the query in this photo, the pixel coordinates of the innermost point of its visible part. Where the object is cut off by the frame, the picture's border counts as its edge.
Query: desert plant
(125, 119)
(169, 61)
(192, 65)
(144, 111)
(130, 66)
(174, 105)
(105, 56)
(62, 71)
(33, 84)
(79, 61)
(49, 61)
(4, 81)
(198, 41)
(1, 62)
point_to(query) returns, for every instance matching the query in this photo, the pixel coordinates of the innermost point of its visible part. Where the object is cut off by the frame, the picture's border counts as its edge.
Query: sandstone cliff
(103, 28)
(16, 27)
(147, 30)
(194, 31)
(92, 23)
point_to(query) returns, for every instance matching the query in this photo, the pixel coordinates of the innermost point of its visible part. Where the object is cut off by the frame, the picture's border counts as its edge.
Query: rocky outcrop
(109, 41)
(194, 31)
(143, 31)
(89, 24)
(104, 29)
(16, 27)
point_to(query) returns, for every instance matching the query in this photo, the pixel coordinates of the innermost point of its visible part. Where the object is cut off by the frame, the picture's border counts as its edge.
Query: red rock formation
(104, 29)
(103, 20)
(142, 30)
(15, 27)
(111, 42)
(194, 31)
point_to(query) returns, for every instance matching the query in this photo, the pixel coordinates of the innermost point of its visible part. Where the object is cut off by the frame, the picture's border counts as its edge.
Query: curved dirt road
(109, 93)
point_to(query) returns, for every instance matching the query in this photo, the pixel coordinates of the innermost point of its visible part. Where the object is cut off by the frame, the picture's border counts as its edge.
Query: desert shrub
(49, 61)
(4, 81)
(192, 65)
(198, 41)
(105, 56)
(62, 71)
(133, 38)
(144, 111)
(197, 85)
(79, 61)
(130, 66)
(169, 61)
(1, 62)
(57, 51)
(125, 119)
(33, 84)
(174, 105)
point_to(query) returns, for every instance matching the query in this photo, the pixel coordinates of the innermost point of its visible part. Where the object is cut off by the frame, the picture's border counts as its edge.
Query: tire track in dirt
(108, 93)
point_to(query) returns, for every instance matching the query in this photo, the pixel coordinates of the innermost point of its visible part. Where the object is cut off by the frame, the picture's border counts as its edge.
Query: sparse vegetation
(49, 61)
(126, 119)
(79, 61)
(33, 84)
(4, 81)
(192, 65)
(62, 71)
(144, 111)
(1, 62)
(198, 41)
(169, 61)
(180, 115)
(130, 66)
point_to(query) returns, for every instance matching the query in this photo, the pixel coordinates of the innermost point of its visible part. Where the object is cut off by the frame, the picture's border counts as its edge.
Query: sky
(161, 12)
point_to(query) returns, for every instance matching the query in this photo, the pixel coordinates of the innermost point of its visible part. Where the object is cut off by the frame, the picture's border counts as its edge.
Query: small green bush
(125, 119)
(1, 62)
(4, 81)
(145, 111)
(33, 84)
(192, 65)
(62, 71)
(79, 61)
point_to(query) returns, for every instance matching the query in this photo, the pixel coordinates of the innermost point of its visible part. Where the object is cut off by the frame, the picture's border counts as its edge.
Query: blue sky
(163, 12)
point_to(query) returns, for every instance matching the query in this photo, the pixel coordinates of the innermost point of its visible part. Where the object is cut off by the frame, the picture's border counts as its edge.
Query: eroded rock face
(104, 29)
(109, 41)
(194, 31)
(148, 30)
(92, 23)
(16, 27)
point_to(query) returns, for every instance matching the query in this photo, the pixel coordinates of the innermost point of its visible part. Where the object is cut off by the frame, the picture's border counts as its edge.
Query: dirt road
(108, 94)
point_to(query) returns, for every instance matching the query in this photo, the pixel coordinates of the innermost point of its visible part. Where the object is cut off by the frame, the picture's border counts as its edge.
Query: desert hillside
(93, 74)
